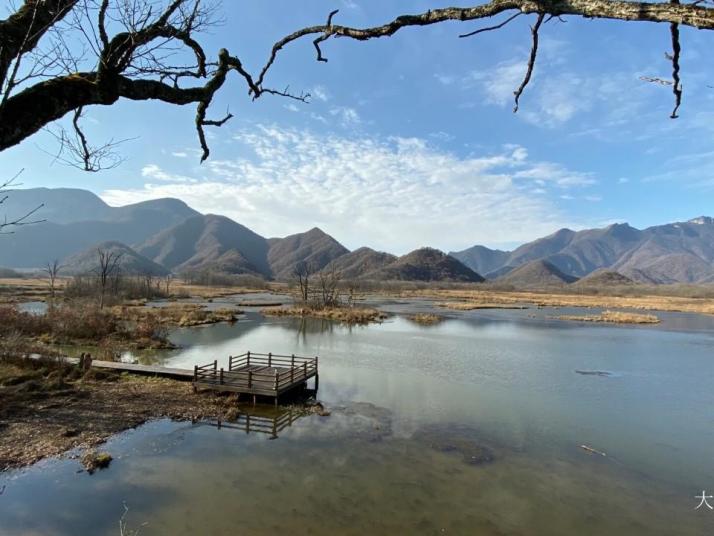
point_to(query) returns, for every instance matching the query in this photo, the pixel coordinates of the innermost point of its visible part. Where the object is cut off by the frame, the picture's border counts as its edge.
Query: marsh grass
(348, 315)
(426, 319)
(614, 317)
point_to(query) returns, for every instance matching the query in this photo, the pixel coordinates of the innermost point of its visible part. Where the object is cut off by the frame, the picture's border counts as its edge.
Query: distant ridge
(425, 264)
(536, 274)
(210, 242)
(170, 233)
(315, 248)
(130, 262)
(360, 262)
(604, 278)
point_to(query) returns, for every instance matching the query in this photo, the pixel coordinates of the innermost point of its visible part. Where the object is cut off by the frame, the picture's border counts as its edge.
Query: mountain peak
(702, 220)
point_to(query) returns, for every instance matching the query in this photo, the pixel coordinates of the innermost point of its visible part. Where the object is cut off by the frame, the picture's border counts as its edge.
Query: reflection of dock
(271, 422)
(257, 374)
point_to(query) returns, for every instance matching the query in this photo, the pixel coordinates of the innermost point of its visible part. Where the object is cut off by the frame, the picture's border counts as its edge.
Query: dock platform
(257, 374)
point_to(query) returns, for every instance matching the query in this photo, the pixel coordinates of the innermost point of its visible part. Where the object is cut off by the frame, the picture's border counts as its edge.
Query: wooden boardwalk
(257, 374)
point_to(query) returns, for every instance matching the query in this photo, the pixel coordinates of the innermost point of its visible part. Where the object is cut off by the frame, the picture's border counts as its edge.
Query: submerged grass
(615, 317)
(426, 319)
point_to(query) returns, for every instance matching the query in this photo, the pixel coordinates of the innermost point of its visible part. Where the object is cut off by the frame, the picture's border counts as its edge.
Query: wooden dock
(257, 374)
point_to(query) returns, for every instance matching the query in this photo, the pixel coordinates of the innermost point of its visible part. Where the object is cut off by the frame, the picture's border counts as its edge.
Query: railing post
(316, 358)
(250, 379)
(195, 373)
(215, 366)
(221, 379)
(230, 362)
(292, 363)
(276, 381)
(248, 363)
(304, 366)
(270, 359)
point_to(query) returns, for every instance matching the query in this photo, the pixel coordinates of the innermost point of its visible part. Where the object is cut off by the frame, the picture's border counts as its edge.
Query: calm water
(472, 426)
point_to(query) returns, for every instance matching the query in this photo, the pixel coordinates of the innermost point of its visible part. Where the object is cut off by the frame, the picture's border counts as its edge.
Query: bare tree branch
(7, 224)
(139, 50)
(531, 61)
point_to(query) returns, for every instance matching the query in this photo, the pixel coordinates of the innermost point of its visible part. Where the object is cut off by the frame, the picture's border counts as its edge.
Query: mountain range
(166, 235)
(681, 252)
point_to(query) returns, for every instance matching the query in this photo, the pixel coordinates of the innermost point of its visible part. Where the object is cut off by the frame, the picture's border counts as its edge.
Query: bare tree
(52, 270)
(167, 284)
(328, 281)
(108, 266)
(301, 274)
(61, 56)
(8, 224)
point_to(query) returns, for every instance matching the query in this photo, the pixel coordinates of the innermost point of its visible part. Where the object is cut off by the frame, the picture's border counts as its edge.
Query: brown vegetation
(80, 324)
(614, 317)
(48, 407)
(470, 306)
(426, 319)
(348, 315)
(176, 314)
(491, 298)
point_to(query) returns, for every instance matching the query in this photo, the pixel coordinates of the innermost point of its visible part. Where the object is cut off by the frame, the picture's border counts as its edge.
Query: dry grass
(176, 314)
(48, 408)
(80, 323)
(426, 319)
(470, 306)
(348, 315)
(487, 298)
(615, 317)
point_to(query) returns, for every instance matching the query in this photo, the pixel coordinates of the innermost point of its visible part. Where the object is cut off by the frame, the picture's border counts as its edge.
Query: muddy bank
(47, 409)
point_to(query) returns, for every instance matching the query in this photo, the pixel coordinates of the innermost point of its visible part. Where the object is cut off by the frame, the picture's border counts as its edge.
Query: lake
(471, 426)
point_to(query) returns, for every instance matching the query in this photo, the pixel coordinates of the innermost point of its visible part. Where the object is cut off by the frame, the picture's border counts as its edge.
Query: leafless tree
(301, 274)
(108, 267)
(167, 283)
(328, 281)
(59, 57)
(52, 270)
(8, 224)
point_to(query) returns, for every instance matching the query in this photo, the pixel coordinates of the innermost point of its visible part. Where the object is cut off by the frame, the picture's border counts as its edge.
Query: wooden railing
(255, 371)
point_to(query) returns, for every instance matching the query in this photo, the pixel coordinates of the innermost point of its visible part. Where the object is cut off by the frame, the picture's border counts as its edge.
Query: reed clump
(426, 319)
(348, 315)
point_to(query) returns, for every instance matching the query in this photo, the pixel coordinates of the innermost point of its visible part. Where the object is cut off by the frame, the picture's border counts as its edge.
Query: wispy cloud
(390, 193)
(347, 117)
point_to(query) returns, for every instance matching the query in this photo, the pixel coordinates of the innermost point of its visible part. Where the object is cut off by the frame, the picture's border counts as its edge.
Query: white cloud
(154, 172)
(394, 194)
(291, 107)
(180, 154)
(320, 93)
(347, 117)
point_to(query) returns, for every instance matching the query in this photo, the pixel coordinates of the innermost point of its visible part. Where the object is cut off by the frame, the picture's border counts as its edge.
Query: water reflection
(262, 420)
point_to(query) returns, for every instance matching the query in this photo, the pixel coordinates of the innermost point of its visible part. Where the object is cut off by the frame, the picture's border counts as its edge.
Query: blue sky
(411, 140)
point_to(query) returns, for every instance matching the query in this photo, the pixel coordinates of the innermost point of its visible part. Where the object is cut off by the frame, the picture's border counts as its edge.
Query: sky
(411, 140)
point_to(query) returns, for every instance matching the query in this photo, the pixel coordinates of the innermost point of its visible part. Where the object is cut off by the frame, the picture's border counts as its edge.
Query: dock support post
(317, 382)
(253, 400)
